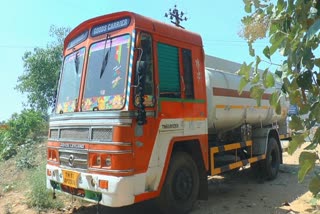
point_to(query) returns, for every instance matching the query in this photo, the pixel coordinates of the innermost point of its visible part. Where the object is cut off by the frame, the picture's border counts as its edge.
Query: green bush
(25, 158)
(40, 197)
(7, 150)
(20, 129)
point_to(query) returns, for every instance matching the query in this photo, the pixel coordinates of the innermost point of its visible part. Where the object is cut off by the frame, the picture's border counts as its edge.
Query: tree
(293, 30)
(41, 71)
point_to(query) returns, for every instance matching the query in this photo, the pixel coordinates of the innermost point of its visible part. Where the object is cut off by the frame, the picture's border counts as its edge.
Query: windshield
(106, 74)
(70, 82)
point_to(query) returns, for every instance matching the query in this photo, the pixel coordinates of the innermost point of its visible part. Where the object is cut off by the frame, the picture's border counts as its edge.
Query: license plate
(70, 178)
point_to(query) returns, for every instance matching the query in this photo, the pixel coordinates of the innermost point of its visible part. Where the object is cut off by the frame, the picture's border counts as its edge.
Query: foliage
(25, 158)
(40, 197)
(293, 32)
(41, 71)
(26, 127)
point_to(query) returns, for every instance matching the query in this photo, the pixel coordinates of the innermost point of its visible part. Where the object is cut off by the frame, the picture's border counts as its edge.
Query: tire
(181, 187)
(268, 169)
(272, 162)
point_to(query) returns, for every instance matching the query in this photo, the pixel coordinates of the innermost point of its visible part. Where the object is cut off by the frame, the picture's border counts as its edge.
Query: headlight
(108, 161)
(98, 160)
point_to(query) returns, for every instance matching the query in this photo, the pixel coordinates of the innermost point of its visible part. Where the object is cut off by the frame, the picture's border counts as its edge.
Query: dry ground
(232, 193)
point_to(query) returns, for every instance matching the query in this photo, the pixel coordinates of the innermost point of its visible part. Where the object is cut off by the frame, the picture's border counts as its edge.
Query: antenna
(175, 16)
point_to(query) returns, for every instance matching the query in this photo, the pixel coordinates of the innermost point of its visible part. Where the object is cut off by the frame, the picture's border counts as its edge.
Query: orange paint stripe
(145, 196)
(237, 164)
(229, 106)
(255, 159)
(216, 171)
(230, 147)
(53, 144)
(213, 150)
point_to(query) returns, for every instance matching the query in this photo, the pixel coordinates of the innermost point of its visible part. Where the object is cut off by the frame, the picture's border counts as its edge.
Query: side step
(236, 163)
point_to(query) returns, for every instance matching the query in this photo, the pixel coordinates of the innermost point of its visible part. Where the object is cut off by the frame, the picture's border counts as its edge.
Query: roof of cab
(141, 22)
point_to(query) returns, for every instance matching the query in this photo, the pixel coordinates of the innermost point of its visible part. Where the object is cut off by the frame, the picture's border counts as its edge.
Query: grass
(25, 176)
(40, 197)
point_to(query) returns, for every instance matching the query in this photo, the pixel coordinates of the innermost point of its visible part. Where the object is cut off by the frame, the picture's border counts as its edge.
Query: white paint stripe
(163, 139)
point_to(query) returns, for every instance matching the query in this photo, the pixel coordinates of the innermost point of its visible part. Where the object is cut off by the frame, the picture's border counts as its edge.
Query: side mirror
(141, 77)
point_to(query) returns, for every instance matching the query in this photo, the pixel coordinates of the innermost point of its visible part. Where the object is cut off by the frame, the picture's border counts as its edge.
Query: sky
(25, 25)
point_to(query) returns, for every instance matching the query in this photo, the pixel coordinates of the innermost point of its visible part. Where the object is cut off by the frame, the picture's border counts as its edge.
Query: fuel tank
(227, 109)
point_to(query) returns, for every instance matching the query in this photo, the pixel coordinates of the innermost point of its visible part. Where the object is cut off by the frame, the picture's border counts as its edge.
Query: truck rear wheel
(268, 169)
(181, 186)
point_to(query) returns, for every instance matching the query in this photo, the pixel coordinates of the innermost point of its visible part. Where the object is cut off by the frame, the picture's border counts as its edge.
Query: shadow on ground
(143, 207)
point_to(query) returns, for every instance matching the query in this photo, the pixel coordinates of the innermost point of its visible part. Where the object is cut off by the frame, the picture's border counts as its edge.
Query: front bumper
(120, 191)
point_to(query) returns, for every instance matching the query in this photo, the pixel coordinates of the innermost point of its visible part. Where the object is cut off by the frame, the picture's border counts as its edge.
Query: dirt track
(232, 193)
(241, 192)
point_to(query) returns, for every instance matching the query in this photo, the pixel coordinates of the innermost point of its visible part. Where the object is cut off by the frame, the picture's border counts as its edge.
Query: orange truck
(142, 113)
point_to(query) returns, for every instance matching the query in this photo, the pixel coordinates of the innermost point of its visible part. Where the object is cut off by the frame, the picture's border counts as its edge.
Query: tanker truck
(142, 113)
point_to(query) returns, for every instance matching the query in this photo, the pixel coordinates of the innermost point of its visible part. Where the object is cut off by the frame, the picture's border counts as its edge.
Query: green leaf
(274, 98)
(266, 52)
(314, 112)
(245, 70)
(314, 185)
(291, 6)
(295, 143)
(317, 62)
(273, 29)
(258, 60)
(256, 3)
(284, 67)
(276, 41)
(304, 109)
(280, 5)
(243, 82)
(268, 80)
(278, 108)
(256, 78)
(251, 49)
(256, 93)
(313, 30)
(296, 123)
(247, 6)
(307, 162)
(315, 140)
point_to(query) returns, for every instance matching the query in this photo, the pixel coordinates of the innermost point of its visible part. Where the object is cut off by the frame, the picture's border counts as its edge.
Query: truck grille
(82, 134)
(75, 133)
(54, 133)
(74, 159)
(102, 134)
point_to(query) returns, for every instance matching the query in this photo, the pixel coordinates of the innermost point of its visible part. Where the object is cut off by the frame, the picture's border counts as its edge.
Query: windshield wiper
(77, 62)
(106, 56)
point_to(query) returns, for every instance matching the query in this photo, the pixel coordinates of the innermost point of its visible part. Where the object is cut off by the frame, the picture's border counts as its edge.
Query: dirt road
(242, 193)
(232, 193)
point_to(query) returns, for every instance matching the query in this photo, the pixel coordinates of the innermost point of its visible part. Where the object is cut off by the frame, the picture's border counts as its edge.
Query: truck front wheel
(181, 186)
(268, 168)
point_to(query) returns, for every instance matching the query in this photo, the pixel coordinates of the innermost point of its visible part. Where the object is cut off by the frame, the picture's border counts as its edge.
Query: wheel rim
(182, 184)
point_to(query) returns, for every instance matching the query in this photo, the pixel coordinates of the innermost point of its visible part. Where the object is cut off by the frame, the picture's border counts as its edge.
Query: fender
(176, 144)
(260, 138)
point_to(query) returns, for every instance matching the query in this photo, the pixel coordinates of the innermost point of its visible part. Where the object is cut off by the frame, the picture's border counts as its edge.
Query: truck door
(145, 134)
